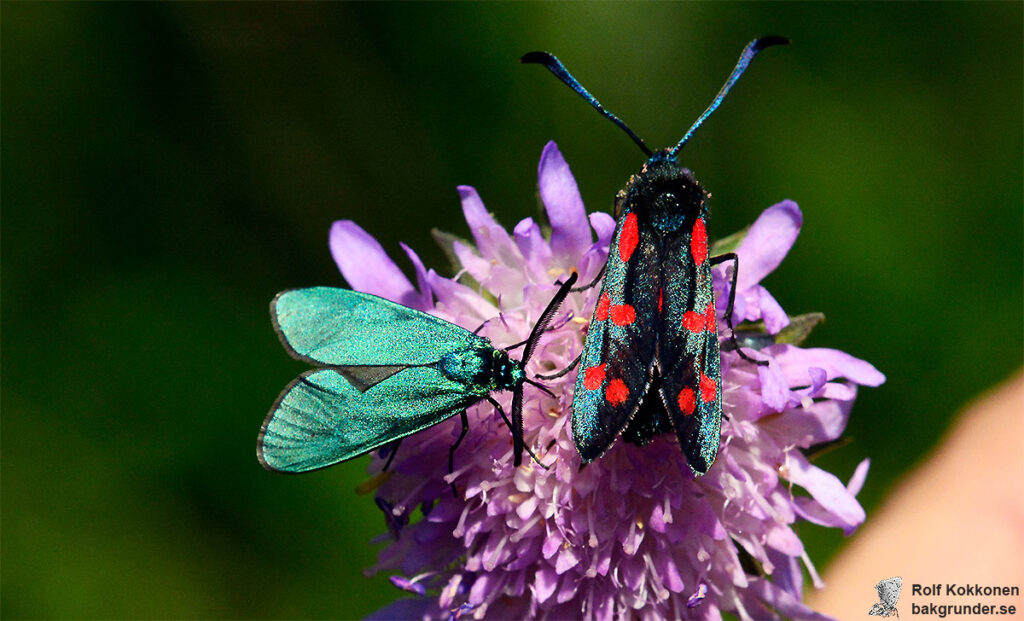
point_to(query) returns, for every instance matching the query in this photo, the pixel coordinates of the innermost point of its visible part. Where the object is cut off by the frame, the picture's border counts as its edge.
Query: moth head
(504, 370)
(665, 194)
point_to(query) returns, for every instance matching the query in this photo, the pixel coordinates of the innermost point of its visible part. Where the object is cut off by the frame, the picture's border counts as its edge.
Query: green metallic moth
(384, 372)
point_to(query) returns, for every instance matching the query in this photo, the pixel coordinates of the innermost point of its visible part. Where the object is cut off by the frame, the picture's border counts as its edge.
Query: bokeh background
(168, 168)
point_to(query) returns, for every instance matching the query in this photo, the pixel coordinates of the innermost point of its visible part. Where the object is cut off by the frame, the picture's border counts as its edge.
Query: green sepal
(447, 241)
(794, 334)
(799, 328)
(728, 244)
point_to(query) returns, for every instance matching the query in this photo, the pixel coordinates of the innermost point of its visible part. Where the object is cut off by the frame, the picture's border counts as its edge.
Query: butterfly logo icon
(889, 593)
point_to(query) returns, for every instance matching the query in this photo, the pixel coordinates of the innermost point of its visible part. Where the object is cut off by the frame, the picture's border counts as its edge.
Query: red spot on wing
(622, 315)
(594, 377)
(602, 308)
(694, 322)
(708, 388)
(628, 238)
(617, 392)
(709, 317)
(699, 242)
(661, 299)
(687, 401)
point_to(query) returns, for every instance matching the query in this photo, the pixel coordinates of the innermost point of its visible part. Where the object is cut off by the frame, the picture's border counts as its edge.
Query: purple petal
(534, 248)
(858, 478)
(775, 319)
(794, 362)
(545, 583)
(787, 575)
(811, 511)
(830, 390)
(552, 543)
(407, 585)
(752, 304)
(485, 584)
(818, 422)
(767, 242)
(633, 573)
(475, 265)
(818, 379)
(450, 590)
(825, 488)
(568, 590)
(669, 574)
(782, 538)
(774, 388)
(459, 298)
(657, 521)
(492, 240)
(597, 255)
(604, 225)
(567, 559)
(592, 262)
(365, 265)
(570, 231)
(782, 601)
(426, 297)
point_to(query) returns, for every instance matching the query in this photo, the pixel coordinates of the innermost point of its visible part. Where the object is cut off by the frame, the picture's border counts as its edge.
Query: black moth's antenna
(531, 344)
(748, 55)
(556, 67)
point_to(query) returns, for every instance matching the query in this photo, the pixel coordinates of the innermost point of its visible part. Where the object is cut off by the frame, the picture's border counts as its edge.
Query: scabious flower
(634, 534)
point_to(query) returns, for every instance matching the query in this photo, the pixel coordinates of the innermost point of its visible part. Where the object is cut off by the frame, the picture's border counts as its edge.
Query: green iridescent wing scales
(321, 418)
(388, 372)
(338, 327)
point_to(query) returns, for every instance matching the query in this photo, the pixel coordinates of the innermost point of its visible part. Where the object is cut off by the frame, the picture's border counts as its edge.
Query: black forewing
(614, 370)
(651, 419)
(689, 357)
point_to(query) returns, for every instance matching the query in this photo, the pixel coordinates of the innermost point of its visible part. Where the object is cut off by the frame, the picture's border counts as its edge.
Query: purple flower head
(634, 534)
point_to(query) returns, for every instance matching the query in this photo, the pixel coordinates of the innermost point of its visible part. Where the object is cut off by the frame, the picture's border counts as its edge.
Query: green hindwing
(321, 418)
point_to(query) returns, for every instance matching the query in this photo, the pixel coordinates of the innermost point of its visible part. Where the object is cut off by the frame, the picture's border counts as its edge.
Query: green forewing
(332, 326)
(322, 419)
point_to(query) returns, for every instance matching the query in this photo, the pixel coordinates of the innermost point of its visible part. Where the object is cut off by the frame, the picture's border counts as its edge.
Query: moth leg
(391, 457)
(497, 406)
(451, 451)
(540, 386)
(559, 374)
(481, 326)
(722, 258)
(516, 345)
(592, 283)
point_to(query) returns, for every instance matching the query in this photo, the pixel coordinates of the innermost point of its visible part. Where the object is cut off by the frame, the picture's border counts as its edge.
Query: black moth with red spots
(651, 362)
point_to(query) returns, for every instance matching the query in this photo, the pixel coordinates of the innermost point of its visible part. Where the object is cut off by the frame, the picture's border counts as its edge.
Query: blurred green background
(168, 168)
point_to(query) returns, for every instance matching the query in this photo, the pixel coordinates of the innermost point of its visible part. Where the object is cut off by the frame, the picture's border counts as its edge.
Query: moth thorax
(468, 366)
(504, 371)
(667, 196)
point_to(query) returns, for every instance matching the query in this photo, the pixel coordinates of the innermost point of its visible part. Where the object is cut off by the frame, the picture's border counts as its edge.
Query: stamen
(492, 562)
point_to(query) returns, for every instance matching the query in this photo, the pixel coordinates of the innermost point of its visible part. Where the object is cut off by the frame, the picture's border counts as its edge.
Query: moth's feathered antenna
(531, 344)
